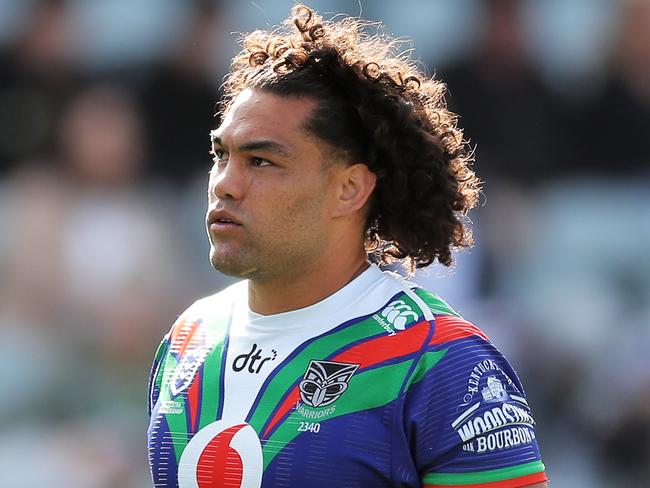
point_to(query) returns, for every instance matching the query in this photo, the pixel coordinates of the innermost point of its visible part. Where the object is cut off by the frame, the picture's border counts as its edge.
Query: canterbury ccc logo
(223, 454)
(325, 381)
(398, 313)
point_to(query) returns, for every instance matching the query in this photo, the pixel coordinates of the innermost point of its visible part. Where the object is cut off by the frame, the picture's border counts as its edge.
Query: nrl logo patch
(325, 381)
(185, 371)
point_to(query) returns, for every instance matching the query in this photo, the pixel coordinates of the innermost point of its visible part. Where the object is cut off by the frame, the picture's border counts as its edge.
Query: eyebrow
(261, 144)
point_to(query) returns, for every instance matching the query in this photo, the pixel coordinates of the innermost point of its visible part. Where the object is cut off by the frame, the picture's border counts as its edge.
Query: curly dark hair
(375, 107)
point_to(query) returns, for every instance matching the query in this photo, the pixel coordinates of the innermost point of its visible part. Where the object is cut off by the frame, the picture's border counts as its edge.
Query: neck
(310, 286)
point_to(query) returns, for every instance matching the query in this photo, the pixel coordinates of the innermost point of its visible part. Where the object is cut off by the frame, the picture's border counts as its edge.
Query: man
(320, 370)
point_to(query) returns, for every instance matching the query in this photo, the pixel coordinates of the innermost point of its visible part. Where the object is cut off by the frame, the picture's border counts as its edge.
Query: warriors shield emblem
(325, 381)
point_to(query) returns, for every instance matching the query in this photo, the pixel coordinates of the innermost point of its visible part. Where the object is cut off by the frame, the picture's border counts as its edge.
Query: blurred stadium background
(105, 108)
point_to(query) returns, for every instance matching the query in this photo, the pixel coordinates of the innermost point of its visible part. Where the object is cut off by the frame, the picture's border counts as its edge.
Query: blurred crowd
(103, 170)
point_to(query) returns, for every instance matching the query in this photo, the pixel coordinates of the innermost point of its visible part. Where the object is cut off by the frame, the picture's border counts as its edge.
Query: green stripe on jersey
(214, 331)
(295, 369)
(367, 390)
(212, 371)
(161, 351)
(426, 362)
(490, 475)
(177, 423)
(435, 303)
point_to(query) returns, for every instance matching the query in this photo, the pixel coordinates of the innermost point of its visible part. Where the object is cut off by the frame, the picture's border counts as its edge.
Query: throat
(272, 297)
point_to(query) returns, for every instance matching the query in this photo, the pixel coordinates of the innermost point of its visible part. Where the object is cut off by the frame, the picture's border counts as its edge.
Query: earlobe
(356, 184)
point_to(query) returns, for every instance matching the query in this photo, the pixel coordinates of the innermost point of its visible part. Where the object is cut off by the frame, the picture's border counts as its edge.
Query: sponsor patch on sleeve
(492, 416)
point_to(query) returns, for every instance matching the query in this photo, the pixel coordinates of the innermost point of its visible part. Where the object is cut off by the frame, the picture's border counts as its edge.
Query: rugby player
(318, 369)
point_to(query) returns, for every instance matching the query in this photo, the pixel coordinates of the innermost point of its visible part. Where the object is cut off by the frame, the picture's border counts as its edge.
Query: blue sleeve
(467, 420)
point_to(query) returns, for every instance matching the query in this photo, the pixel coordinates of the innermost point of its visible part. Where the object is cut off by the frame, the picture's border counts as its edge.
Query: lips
(222, 217)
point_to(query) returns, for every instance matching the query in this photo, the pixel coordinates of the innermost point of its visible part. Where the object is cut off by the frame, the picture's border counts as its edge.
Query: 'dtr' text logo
(325, 381)
(250, 359)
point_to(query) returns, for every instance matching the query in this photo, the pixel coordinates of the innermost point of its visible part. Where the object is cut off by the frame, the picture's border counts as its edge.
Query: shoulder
(445, 322)
(465, 410)
(459, 362)
(428, 301)
(202, 311)
(451, 347)
(206, 306)
(418, 320)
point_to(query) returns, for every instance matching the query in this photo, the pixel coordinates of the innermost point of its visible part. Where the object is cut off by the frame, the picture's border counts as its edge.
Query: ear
(353, 186)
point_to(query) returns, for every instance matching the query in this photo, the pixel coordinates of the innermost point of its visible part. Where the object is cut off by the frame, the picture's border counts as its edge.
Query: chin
(230, 265)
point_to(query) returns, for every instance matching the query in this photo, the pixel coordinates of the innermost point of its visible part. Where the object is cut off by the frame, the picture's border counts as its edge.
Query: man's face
(267, 195)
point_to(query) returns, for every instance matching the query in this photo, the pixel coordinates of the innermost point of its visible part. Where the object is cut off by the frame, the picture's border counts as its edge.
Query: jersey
(381, 384)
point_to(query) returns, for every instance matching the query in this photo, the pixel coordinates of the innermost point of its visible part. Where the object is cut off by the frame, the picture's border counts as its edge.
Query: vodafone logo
(223, 454)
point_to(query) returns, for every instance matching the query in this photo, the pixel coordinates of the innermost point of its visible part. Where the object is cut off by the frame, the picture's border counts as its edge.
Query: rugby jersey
(381, 384)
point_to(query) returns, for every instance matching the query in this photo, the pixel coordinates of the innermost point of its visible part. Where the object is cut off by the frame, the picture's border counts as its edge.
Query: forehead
(257, 114)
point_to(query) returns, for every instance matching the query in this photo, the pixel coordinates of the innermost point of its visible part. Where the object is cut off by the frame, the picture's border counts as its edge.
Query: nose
(228, 181)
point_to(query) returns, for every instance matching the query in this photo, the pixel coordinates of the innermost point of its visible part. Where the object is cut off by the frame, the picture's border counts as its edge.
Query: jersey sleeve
(155, 376)
(177, 339)
(466, 417)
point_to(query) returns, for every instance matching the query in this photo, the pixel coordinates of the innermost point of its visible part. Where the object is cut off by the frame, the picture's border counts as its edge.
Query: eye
(259, 162)
(219, 156)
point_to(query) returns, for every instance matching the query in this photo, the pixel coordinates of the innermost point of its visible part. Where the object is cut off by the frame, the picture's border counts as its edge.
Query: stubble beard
(280, 255)
(251, 263)
(263, 265)
(237, 265)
